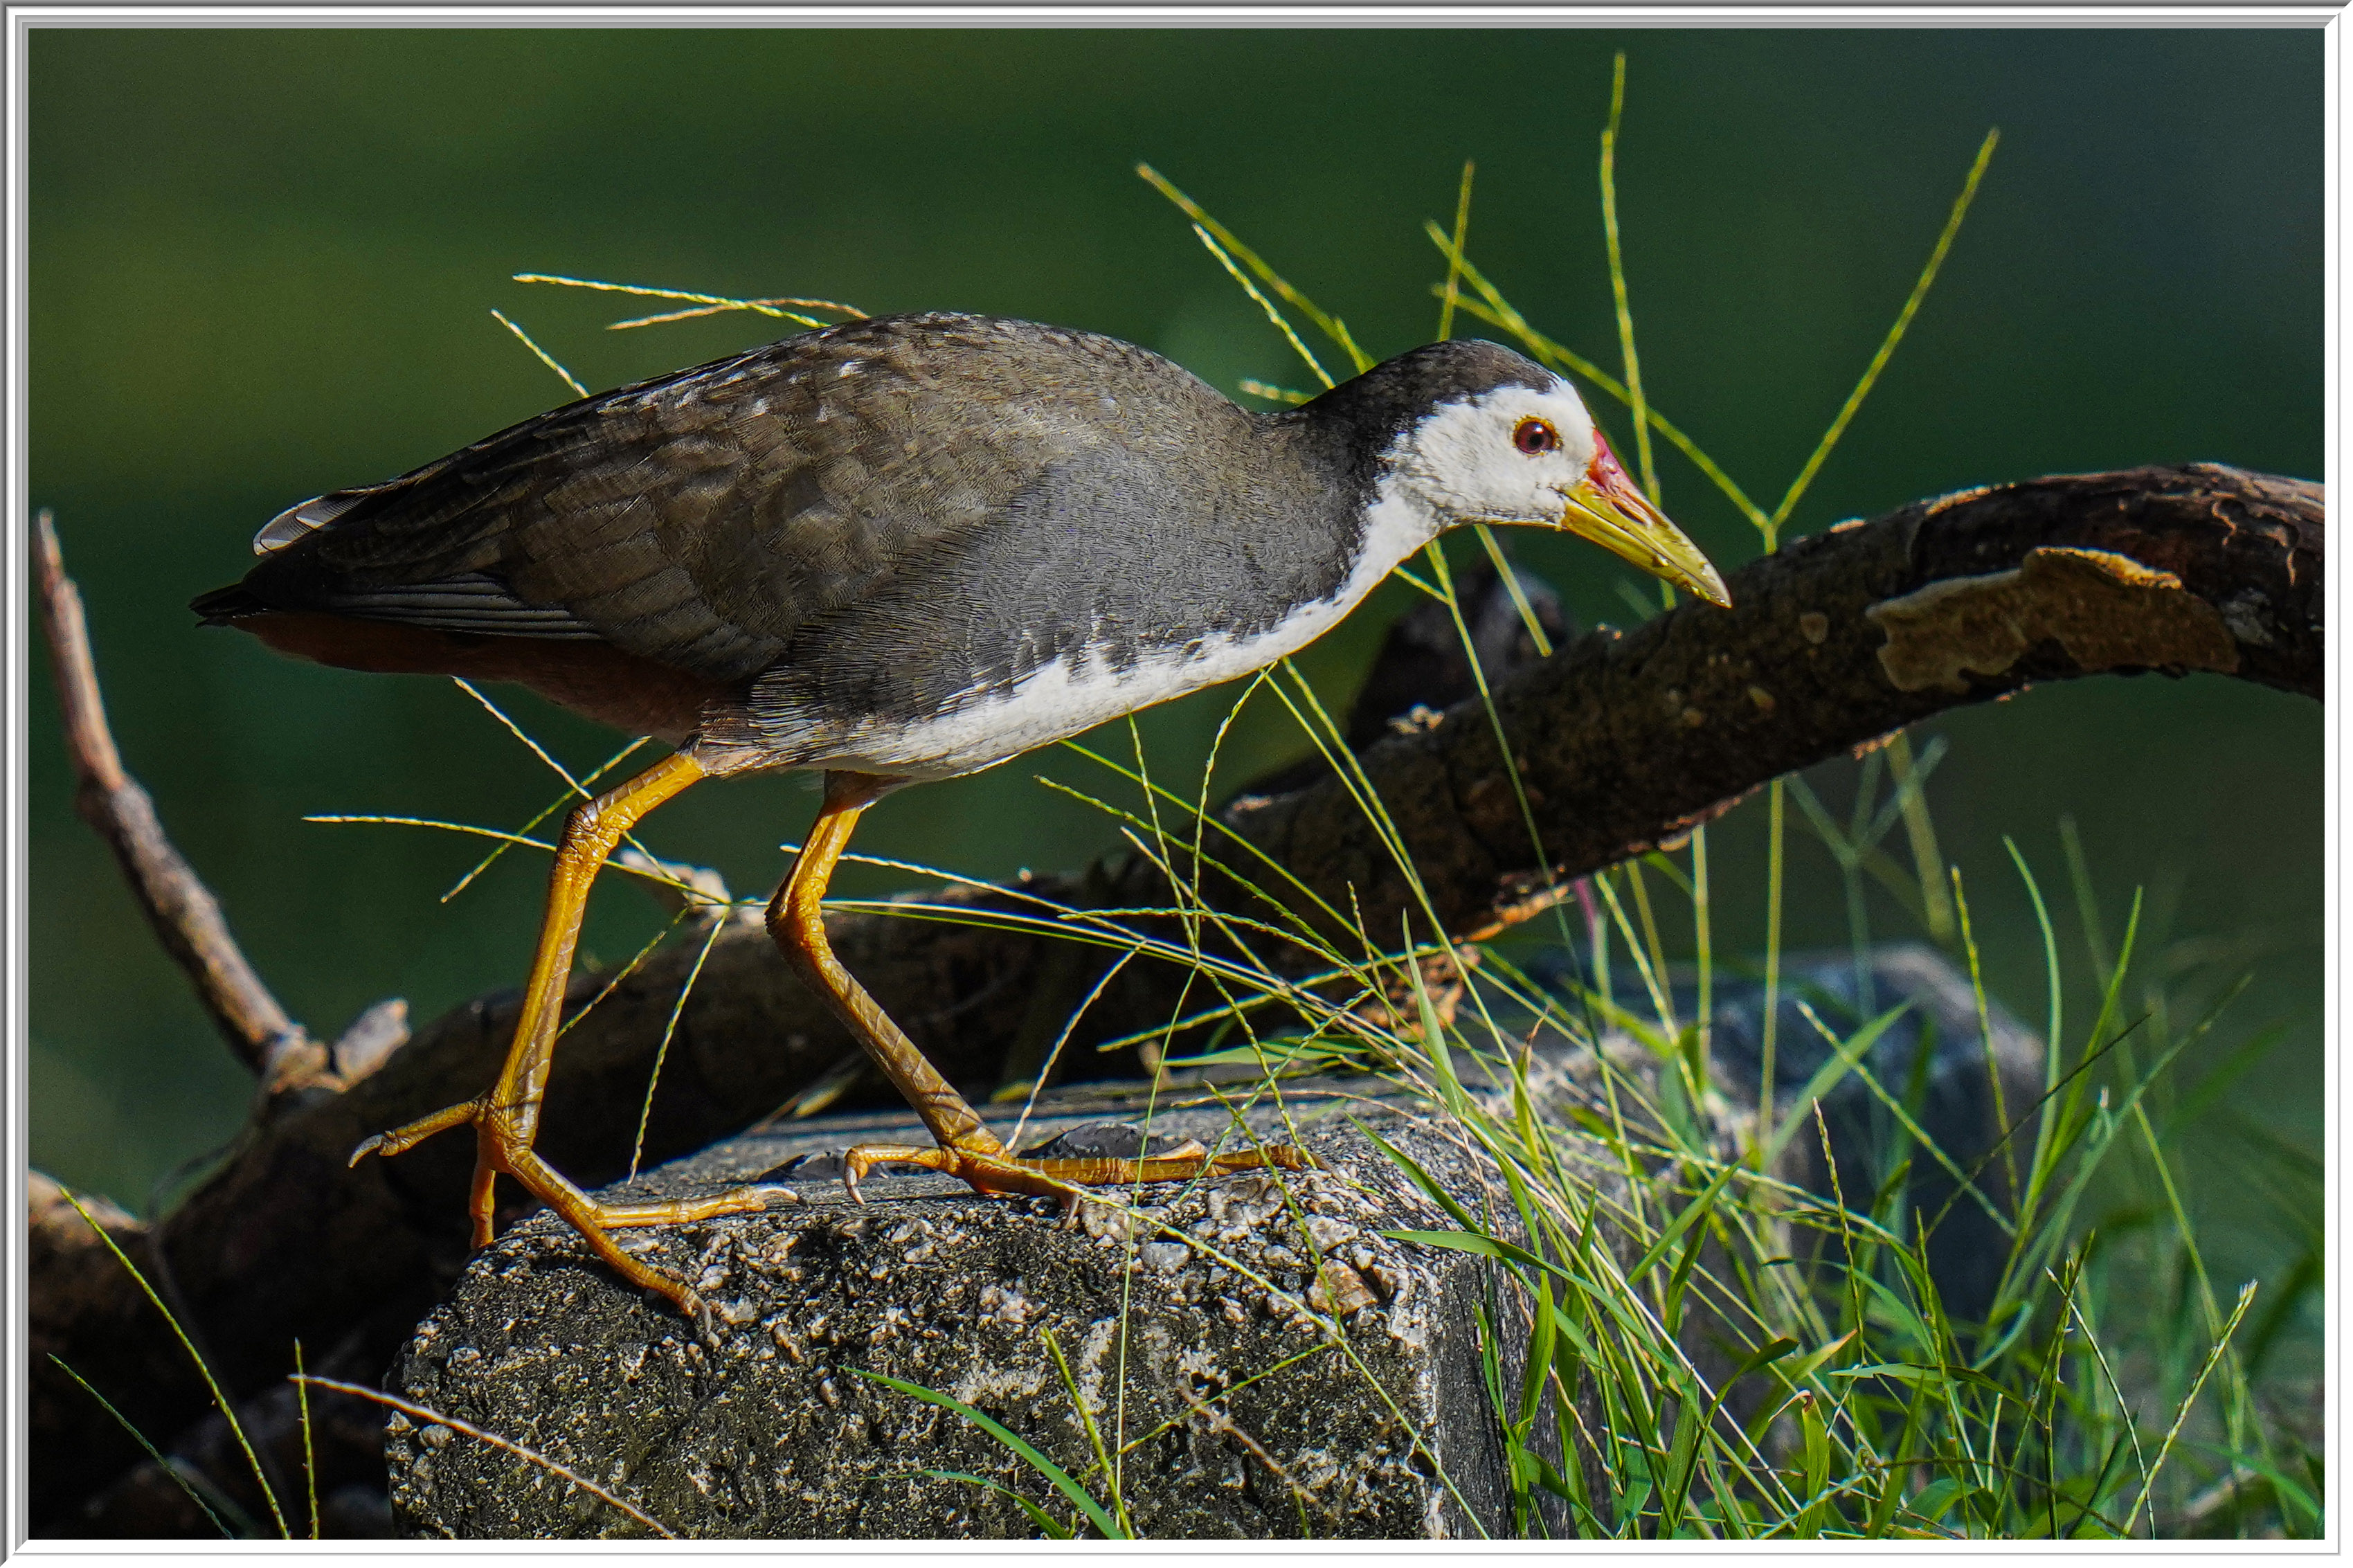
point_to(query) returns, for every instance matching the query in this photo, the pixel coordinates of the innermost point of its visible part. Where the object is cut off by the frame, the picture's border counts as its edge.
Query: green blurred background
(263, 263)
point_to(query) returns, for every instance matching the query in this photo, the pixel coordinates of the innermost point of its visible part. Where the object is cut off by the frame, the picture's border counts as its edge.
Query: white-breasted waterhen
(894, 550)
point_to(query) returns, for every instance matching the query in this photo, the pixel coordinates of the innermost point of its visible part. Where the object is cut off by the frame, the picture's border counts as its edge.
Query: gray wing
(701, 518)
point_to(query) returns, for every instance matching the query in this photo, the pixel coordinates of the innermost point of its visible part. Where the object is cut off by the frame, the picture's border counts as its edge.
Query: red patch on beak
(1605, 472)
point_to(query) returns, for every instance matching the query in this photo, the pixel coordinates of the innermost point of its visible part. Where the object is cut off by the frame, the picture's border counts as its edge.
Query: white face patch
(1467, 461)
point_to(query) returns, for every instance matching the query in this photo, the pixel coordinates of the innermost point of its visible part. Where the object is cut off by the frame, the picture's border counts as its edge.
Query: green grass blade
(1273, 314)
(1776, 827)
(220, 1399)
(1928, 859)
(1634, 398)
(1421, 1178)
(1845, 1055)
(1094, 1437)
(1455, 269)
(310, 1455)
(1887, 346)
(140, 1437)
(1442, 1056)
(559, 803)
(2038, 1166)
(669, 1031)
(1330, 326)
(1053, 1528)
(2181, 1416)
(1691, 1215)
(1023, 1449)
(711, 303)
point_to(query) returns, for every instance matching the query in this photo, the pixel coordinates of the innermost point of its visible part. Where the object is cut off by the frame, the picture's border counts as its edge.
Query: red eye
(1535, 438)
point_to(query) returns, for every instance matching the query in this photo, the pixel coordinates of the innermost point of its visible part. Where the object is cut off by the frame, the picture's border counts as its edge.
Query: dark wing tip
(223, 605)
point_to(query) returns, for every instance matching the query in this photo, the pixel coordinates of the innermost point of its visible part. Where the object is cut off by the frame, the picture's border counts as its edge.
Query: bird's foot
(995, 1172)
(593, 1220)
(401, 1140)
(500, 1150)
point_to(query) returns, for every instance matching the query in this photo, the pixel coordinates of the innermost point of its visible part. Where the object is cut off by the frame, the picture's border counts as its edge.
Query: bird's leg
(506, 1119)
(966, 1148)
(797, 921)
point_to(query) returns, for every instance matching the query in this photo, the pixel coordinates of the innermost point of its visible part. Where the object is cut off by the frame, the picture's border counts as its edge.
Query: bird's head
(1481, 435)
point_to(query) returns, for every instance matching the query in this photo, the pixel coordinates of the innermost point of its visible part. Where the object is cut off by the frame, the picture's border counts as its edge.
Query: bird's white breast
(1069, 695)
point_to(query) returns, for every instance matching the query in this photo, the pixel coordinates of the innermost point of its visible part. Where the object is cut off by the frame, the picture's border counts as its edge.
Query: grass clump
(1709, 1348)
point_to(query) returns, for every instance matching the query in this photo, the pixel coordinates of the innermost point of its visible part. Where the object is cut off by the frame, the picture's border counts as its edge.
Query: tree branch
(185, 917)
(1625, 743)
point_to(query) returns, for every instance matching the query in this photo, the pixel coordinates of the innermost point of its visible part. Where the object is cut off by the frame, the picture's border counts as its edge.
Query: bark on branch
(1623, 742)
(1835, 641)
(186, 919)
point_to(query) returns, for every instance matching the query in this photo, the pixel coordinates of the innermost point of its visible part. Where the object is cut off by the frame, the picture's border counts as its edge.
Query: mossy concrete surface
(1257, 1357)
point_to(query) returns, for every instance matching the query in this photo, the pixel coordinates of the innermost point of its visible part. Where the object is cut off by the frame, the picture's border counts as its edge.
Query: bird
(890, 550)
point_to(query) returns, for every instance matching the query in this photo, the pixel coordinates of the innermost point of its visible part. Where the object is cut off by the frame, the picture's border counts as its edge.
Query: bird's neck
(1398, 520)
(1394, 517)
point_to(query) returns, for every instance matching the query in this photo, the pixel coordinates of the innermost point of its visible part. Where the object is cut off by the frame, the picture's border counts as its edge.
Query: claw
(368, 1145)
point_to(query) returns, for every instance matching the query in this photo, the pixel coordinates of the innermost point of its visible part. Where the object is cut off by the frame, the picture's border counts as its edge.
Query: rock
(1934, 1060)
(1266, 1361)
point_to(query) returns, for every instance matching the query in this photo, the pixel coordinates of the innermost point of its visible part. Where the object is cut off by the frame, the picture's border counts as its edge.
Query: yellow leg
(506, 1120)
(796, 920)
(965, 1149)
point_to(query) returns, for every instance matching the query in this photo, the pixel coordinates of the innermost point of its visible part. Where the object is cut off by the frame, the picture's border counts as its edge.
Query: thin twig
(543, 357)
(1219, 1424)
(186, 916)
(425, 1412)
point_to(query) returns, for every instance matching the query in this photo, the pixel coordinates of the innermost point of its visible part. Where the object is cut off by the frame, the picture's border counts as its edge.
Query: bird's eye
(1535, 438)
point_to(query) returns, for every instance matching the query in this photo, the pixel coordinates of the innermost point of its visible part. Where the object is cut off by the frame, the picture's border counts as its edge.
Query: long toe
(1179, 1165)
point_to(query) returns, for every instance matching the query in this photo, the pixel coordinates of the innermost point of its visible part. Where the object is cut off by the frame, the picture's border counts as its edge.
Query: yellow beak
(1611, 511)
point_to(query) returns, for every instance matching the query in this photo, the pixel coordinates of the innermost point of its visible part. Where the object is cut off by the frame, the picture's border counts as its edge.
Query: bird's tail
(223, 605)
